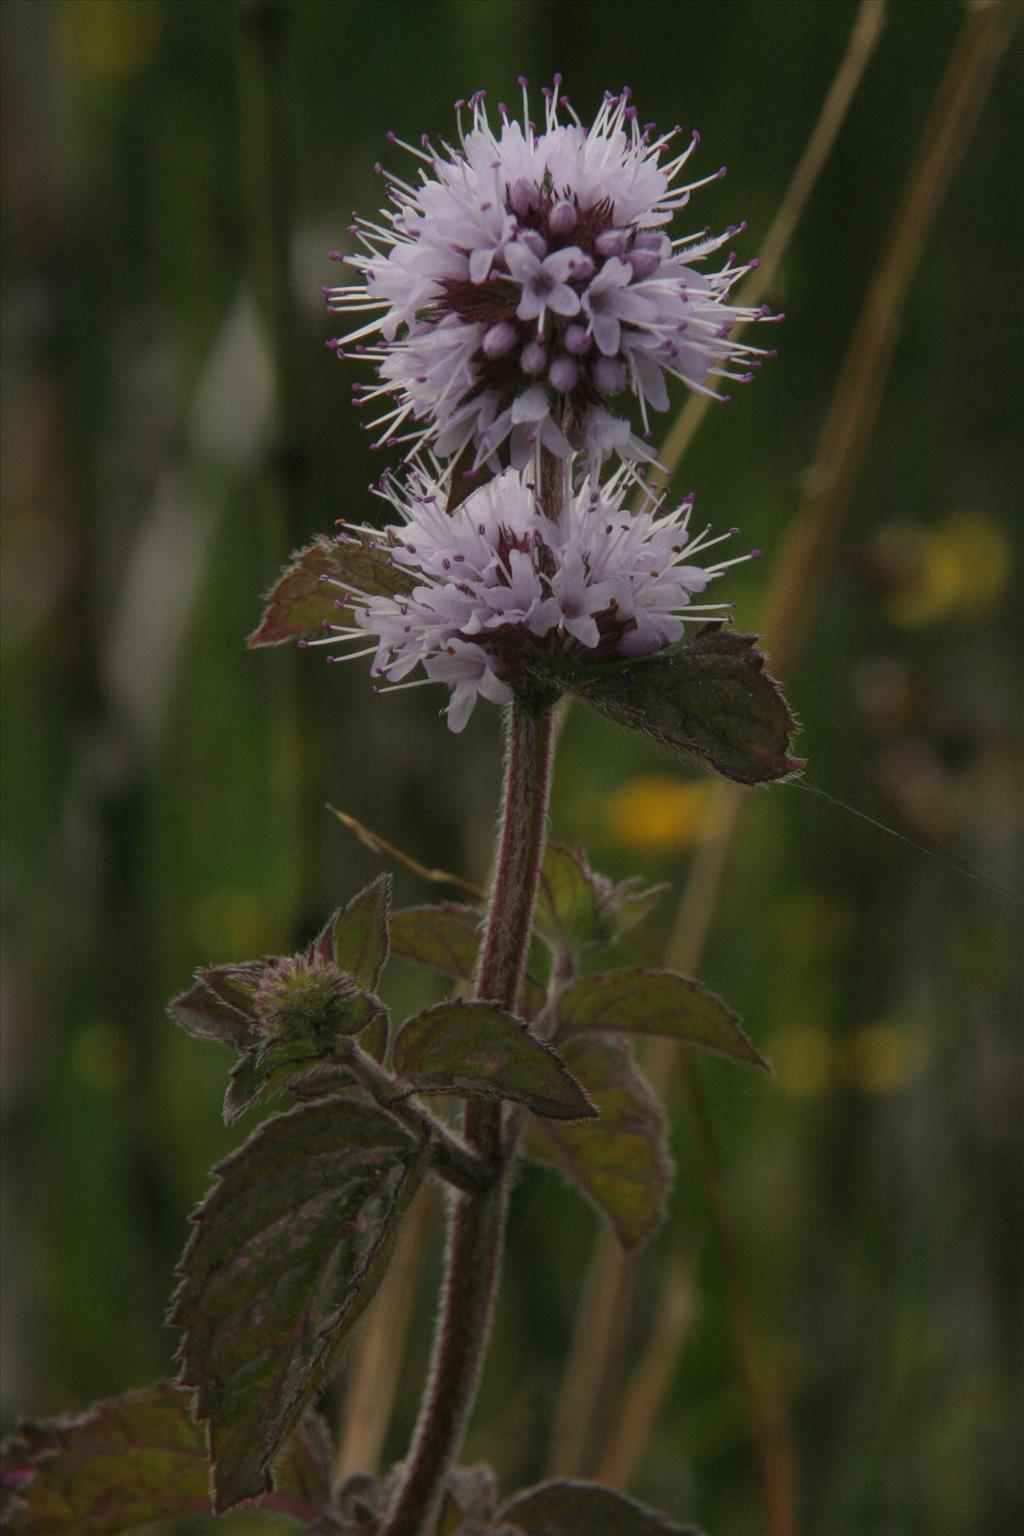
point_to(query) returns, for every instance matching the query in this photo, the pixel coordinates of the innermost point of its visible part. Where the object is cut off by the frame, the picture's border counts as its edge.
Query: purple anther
(500, 339)
(608, 376)
(335, 256)
(534, 358)
(563, 374)
(563, 217)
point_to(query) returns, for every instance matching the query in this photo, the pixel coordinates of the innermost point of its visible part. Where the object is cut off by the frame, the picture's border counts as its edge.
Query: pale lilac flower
(500, 585)
(519, 263)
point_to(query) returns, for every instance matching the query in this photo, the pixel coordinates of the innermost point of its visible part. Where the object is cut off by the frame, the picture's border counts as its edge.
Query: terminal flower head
(499, 585)
(523, 284)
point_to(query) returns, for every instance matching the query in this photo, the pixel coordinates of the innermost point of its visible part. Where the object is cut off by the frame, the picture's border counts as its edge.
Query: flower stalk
(477, 1223)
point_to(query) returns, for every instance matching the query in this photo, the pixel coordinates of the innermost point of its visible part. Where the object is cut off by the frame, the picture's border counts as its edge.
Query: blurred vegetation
(173, 425)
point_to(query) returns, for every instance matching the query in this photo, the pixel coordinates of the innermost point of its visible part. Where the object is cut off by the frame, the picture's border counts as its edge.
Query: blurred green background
(171, 429)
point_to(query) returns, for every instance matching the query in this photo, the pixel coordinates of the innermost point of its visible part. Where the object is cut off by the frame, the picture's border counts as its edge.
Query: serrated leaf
(288, 1248)
(219, 1005)
(445, 937)
(635, 1001)
(586, 1509)
(577, 907)
(306, 593)
(276, 1061)
(711, 697)
(478, 1048)
(620, 1160)
(356, 937)
(132, 1460)
(567, 911)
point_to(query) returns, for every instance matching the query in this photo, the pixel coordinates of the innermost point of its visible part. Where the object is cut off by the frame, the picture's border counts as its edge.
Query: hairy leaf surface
(445, 937)
(276, 1062)
(133, 1460)
(356, 938)
(635, 1001)
(586, 1509)
(478, 1048)
(577, 907)
(219, 1005)
(620, 1160)
(303, 598)
(711, 697)
(288, 1248)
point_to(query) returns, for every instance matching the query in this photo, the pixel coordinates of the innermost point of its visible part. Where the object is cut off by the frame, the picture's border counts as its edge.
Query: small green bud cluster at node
(299, 998)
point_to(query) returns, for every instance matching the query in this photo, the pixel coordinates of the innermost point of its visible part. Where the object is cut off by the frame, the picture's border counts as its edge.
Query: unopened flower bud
(563, 374)
(563, 218)
(577, 339)
(523, 197)
(500, 339)
(611, 243)
(534, 242)
(534, 358)
(644, 263)
(608, 376)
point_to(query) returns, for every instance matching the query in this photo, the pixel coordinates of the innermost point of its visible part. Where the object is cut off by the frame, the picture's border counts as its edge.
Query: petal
(607, 333)
(521, 261)
(584, 629)
(480, 262)
(531, 405)
(461, 707)
(563, 300)
(530, 305)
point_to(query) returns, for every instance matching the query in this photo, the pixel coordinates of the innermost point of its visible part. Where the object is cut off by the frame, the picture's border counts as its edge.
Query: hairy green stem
(451, 1159)
(476, 1232)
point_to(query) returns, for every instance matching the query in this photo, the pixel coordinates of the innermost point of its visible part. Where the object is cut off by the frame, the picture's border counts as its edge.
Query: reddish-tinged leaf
(288, 1248)
(620, 1160)
(133, 1460)
(356, 938)
(219, 1005)
(306, 594)
(445, 937)
(478, 1048)
(635, 1001)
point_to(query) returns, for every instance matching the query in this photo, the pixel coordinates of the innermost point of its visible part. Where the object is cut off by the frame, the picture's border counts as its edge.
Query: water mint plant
(524, 282)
